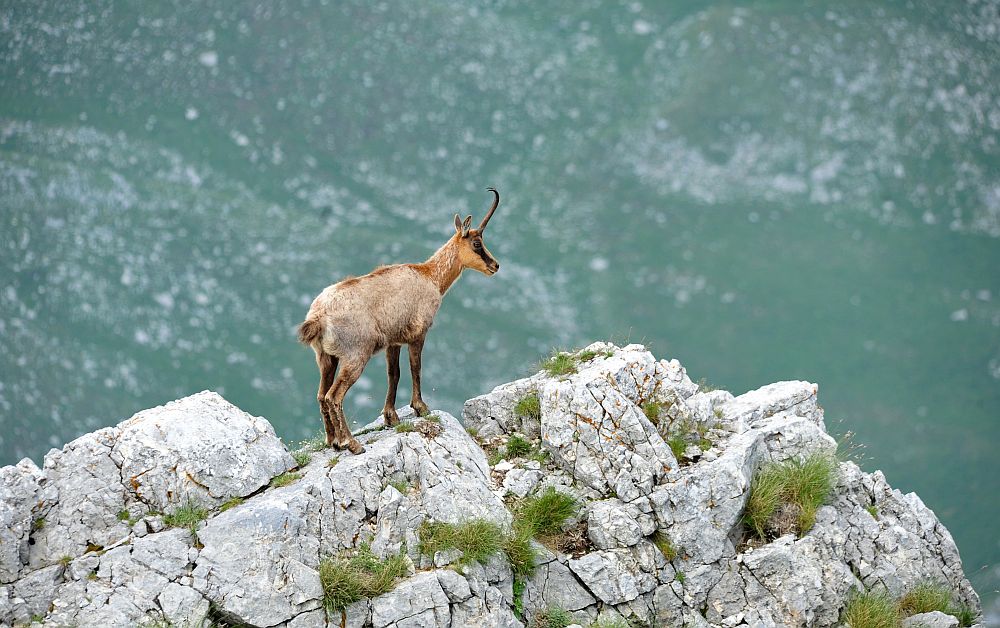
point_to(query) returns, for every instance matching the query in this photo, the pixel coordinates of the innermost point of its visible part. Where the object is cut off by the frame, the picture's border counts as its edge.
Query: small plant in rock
(403, 485)
(313, 443)
(872, 510)
(653, 410)
(405, 427)
(666, 547)
(785, 496)
(232, 503)
(529, 407)
(477, 539)
(704, 386)
(924, 598)
(553, 617)
(187, 516)
(302, 458)
(546, 512)
(871, 610)
(284, 479)
(347, 579)
(65, 561)
(680, 577)
(473, 432)
(559, 364)
(518, 446)
(38, 524)
(517, 547)
(332, 462)
(677, 445)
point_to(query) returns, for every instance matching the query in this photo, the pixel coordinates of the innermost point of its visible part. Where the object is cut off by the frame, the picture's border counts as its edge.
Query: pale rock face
(81, 547)
(934, 619)
(199, 449)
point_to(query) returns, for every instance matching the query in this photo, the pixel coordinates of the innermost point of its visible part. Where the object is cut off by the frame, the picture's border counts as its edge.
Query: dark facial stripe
(489, 261)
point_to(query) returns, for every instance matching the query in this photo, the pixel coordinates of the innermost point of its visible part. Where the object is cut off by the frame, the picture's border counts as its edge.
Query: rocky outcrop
(661, 470)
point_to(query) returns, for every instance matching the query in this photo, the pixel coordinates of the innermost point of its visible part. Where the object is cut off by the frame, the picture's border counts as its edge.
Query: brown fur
(391, 306)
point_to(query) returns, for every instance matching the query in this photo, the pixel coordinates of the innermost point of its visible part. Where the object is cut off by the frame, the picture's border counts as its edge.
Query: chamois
(354, 319)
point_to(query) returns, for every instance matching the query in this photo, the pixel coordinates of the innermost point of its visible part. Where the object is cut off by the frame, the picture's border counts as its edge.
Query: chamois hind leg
(416, 401)
(392, 369)
(350, 371)
(327, 371)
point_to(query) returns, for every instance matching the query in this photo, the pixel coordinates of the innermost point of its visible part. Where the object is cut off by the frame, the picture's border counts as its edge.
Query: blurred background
(764, 190)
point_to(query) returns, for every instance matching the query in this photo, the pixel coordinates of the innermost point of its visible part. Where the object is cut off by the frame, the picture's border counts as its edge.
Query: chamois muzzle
(489, 214)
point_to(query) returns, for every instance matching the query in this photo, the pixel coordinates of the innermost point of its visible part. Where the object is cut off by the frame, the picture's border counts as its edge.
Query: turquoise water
(763, 190)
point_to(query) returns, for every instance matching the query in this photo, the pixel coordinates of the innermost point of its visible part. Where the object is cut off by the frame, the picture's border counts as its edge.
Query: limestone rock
(934, 619)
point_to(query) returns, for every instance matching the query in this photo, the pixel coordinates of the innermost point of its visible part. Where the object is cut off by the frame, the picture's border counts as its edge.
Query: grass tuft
(677, 445)
(284, 479)
(302, 458)
(314, 443)
(666, 547)
(926, 597)
(332, 462)
(545, 513)
(65, 561)
(187, 516)
(405, 427)
(553, 617)
(610, 623)
(529, 407)
(680, 577)
(517, 547)
(871, 610)
(477, 539)
(804, 484)
(652, 410)
(346, 580)
(559, 364)
(232, 503)
(403, 486)
(517, 446)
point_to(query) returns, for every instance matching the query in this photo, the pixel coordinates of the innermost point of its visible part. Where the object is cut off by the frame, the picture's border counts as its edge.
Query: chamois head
(472, 251)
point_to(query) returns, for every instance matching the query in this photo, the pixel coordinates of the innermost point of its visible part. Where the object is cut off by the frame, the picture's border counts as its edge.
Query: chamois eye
(477, 244)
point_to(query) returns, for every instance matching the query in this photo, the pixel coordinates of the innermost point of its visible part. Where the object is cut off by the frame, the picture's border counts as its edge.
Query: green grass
(187, 516)
(302, 458)
(871, 610)
(559, 364)
(314, 443)
(652, 410)
(553, 617)
(519, 586)
(587, 356)
(65, 561)
(123, 515)
(433, 418)
(872, 510)
(529, 407)
(610, 623)
(477, 539)
(680, 577)
(346, 580)
(931, 596)
(518, 446)
(38, 524)
(405, 427)
(232, 503)
(284, 479)
(704, 386)
(473, 432)
(677, 445)
(332, 462)
(403, 486)
(517, 547)
(666, 547)
(805, 483)
(545, 513)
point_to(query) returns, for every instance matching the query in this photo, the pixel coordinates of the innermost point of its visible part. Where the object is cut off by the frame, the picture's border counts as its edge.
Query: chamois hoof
(421, 409)
(355, 447)
(390, 418)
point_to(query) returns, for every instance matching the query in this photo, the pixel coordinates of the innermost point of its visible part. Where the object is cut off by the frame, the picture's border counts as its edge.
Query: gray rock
(20, 489)
(417, 601)
(182, 606)
(934, 619)
(520, 482)
(614, 576)
(199, 449)
(611, 525)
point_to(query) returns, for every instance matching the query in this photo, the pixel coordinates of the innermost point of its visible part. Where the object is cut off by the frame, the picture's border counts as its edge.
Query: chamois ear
(458, 224)
(465, 226)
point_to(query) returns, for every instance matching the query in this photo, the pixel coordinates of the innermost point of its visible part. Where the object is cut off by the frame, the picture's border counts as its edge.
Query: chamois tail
(310, 330)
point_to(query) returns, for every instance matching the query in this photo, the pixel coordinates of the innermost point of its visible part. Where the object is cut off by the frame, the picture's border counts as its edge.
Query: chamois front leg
(416, 401)
(348, 375)
(392, 369)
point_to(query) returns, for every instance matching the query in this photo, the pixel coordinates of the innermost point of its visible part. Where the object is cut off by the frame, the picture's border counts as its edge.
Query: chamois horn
(489, 214)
